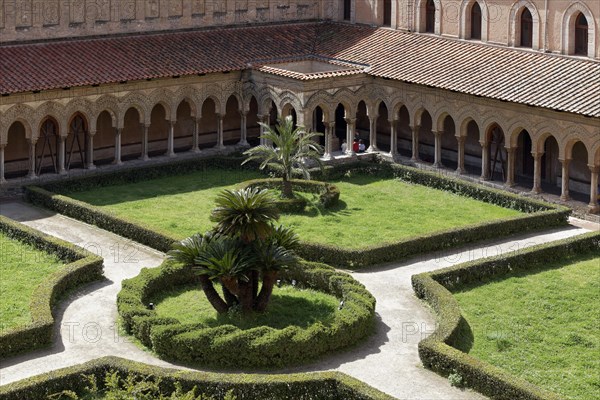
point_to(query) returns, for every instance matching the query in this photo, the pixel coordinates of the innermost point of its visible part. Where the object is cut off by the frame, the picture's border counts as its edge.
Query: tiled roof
(544, 80)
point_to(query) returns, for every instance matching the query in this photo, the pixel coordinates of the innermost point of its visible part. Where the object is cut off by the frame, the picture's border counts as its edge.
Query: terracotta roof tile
(533, 78)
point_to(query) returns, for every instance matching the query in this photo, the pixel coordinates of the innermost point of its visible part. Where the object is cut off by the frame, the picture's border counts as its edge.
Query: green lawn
(288, 306)
(372, 211)
(543, 327)
(22, 269)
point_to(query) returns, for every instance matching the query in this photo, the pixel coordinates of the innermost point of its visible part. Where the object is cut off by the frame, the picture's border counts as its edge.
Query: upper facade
(557, 26)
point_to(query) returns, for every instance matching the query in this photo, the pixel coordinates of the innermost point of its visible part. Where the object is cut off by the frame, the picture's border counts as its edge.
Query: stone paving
(86, 322)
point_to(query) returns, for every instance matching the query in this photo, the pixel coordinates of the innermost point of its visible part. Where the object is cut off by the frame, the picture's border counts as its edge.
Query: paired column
(90, 151)
(485, 161)
(537, 173)
(32, 174)
(415, 143)
(220, 145)
(265, 120)
(171, 141)
(2, 146)
(510, 173)
(593, 206)
(195, 141)
(144, 156)
(329, 127)
(350, 127)
(564, 187)
(460, 169)
(372, 134)
(437, 161)
(61, 155)
(117, 160)
(243, 129)
(393, 138)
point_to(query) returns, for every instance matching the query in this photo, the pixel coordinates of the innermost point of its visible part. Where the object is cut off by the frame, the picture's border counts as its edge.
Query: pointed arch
(466, 23)
(516, 33)
(428, 18)
(569, 21)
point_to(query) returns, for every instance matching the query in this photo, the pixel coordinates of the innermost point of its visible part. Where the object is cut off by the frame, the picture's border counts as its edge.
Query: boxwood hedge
(441, 351)
(539, 215)
(316, 385)
(82, 267)
(227, 346)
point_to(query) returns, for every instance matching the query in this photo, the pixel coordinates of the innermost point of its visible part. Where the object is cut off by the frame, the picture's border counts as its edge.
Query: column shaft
(593, 206)
(372, 134)
(393, 138)
(510, 173)
(117, 159)
(32, 173)
(328, 140)
(460, 169)
(171, 141)
(485, 161)
(145, 144)
(2, 179)
(195, 139)
(220, 145)
(415, 143)
(350, 126)
(564, 187)
(437, 162)
(90, 150)
(243, 129)
(537, 173)
(61, 155)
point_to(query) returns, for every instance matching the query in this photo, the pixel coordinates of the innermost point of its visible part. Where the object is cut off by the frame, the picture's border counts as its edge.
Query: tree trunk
(229, 297)
(286, 191)
(212, 295)
(262, 301)
(231, 283)
(254, 276)
(245, 296)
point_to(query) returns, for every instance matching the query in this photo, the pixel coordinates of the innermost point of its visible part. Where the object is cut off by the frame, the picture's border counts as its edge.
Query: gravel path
(86, 322)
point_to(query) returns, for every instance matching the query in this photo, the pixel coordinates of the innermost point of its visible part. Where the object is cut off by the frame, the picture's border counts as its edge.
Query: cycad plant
(288, 151)
(243, 249)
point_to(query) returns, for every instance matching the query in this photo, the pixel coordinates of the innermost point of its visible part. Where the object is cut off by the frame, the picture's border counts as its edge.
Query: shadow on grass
(299, 309)
(213, 180)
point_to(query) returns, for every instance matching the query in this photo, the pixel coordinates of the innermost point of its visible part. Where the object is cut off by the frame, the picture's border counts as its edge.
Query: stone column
(171, 140)
(244, 129)
(90, 151)
(220, 145)
(437, 162)
(372, 134)
(265, 120)
(393, 138)
(593, 206)
(144, 156)
(537, 173)
(350, 127)
(195, 141)
(485, 161)
(32, 174)
(2, 146)
(328, 129)
(415, 143)
(460, 169)
(117, 160)
(564, 187)
(510, 173)
(61, 155)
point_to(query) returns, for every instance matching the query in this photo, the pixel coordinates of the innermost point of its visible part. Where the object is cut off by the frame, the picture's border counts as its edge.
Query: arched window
(347, 10)
(526, 28)
(581, 35)
(476, 21)
(430, 16)
(387, 13)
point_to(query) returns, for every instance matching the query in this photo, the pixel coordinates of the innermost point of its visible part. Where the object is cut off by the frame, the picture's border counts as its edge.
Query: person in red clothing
(355, 146)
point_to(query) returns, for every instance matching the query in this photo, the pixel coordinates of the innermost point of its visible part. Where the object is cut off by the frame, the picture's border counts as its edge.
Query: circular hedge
(227, 346)
(329, 194)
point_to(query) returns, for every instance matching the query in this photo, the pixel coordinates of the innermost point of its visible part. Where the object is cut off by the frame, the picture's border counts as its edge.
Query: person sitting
(355, 146)
(361, 146)
(344, 146)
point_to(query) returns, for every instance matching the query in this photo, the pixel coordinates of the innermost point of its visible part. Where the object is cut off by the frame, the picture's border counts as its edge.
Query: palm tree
(186, 252)
(290, 150)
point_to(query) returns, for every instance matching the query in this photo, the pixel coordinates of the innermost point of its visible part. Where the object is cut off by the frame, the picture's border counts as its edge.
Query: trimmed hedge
(316, 385)
(227, 346)
(440, 351)
(329, 194)
(82, 267)
(541, 215)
